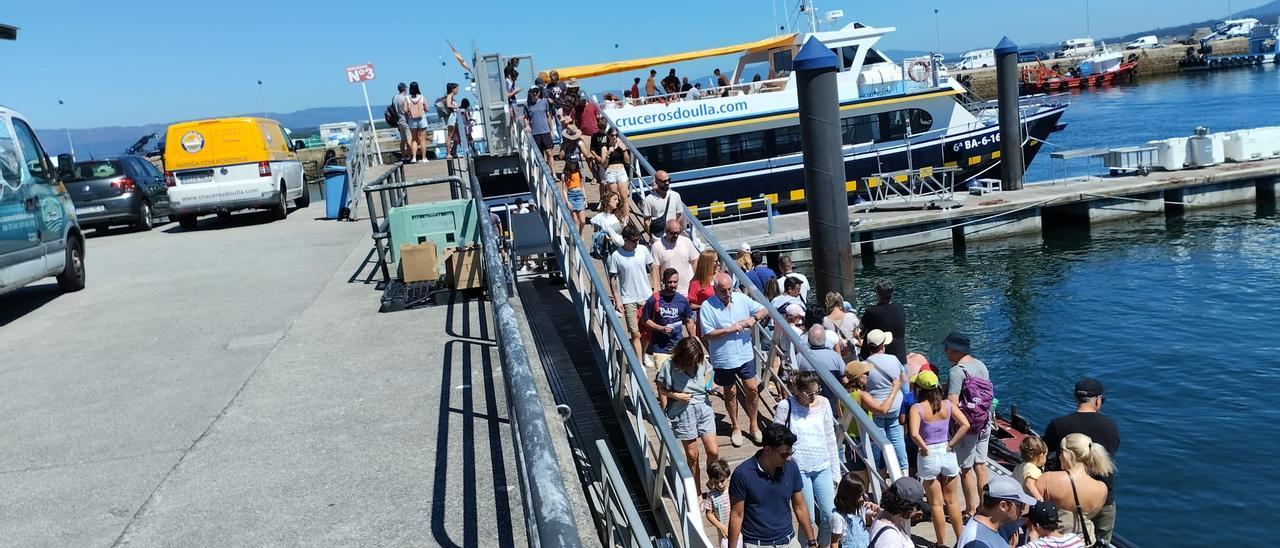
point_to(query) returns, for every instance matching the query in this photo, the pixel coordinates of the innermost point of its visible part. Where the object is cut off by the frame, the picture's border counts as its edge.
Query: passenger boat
(1103, 69)
(741, 141)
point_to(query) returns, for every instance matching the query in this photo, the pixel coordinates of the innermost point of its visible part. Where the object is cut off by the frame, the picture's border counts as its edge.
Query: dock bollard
(1007, 81)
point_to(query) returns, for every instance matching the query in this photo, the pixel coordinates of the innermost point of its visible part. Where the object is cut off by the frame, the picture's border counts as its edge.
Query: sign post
(362, 74)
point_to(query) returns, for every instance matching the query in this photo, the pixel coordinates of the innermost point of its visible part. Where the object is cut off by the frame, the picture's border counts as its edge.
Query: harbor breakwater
(1150, 62)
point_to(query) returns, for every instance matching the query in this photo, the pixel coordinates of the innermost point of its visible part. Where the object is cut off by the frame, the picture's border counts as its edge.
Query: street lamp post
(937, 29)
(67, 127)
(262, 103)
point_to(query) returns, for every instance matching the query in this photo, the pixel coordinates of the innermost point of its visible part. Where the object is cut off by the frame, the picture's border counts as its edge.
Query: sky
(138, 62)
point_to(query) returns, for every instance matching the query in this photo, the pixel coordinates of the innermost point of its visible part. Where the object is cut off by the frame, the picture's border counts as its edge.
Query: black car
(119, 190)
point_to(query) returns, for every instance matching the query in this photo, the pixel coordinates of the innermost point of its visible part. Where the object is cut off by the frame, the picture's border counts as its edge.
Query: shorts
(696, 421)
(660, 358)
(972, 448)
(939, 462)
(417, 123)
(615, 174)
(577, 200)
(403, 128)
(629, 311)
(543, 140)
(730, 375)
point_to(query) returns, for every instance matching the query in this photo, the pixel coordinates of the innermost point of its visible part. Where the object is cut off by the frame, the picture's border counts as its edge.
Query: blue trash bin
(336, 192)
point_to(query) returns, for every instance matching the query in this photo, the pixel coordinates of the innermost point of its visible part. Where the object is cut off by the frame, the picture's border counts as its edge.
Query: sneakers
(736, 438)
(648, 361)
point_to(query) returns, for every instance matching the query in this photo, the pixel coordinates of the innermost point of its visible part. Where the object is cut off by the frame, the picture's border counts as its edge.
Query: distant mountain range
(104, 141)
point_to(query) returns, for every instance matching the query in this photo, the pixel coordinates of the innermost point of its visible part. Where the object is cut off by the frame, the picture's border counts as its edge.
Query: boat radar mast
(811, 13)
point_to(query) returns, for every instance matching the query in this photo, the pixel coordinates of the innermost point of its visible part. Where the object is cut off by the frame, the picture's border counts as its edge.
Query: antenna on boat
(806, 7)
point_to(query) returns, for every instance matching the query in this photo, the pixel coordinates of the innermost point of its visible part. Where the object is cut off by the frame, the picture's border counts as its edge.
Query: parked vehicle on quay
(977, 59)
(1148, 41)
(39, 235)
(222, 165)
(117, 191)
(1074, 47)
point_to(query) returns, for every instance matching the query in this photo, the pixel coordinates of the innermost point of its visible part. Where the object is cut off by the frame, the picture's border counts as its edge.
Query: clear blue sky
(159, 61)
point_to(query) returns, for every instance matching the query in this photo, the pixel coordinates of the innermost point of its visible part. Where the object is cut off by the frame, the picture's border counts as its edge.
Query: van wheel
(145, 219)
(187, 222)
(72, 276)
(281, 210)
(305, 199)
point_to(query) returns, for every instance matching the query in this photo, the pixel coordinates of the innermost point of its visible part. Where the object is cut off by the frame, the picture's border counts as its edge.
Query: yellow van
(227, 164)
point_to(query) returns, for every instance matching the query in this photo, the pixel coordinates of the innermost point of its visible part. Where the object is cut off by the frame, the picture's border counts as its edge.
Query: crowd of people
(672, 88)
(691, 322)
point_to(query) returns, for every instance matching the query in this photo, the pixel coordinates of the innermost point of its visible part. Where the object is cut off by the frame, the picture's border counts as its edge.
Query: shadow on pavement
(236, 220)
(26, 300)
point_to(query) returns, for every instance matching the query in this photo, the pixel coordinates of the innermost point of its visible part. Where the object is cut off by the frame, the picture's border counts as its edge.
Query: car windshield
(98, 169)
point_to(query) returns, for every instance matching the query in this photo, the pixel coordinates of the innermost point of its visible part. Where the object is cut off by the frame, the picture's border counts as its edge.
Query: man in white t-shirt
(629, 281)
(675, 250)
(785, 271)
(663, 201)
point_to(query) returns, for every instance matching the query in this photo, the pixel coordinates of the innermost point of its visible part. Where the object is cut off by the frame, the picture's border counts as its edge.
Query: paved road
(230, 386)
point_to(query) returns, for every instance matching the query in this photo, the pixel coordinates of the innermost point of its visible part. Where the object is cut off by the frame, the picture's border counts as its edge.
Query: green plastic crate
(448, 223)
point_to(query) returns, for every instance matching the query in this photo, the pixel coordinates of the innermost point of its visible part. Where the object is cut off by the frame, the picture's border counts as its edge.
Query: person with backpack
(395, 116)
(970, 390)
(415, 114)
(899, 504)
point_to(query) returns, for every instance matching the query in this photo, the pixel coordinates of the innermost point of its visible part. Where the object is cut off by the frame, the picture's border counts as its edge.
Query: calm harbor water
(1177, 318)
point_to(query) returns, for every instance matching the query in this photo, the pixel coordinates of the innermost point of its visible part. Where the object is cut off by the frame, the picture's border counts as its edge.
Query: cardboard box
(419, 263)
(464, 267)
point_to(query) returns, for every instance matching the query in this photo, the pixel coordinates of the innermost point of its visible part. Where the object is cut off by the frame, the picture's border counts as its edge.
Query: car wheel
(281, 210)
(187, 222)
(305, 199)
(72, 276)
(145, 219)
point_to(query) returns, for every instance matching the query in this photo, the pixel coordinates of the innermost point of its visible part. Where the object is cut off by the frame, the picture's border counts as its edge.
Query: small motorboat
(1103, 69)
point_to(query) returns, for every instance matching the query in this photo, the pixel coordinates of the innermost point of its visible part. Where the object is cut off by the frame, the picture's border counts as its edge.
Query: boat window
(860, 129)
(678, 156)
(847, 55)
(873, 57)
(786, 140)
(894, 125)
(751, 70)
(745, 147)
(781, 62)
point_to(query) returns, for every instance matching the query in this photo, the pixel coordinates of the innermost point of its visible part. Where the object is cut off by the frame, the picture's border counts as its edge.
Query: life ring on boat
(921, 73)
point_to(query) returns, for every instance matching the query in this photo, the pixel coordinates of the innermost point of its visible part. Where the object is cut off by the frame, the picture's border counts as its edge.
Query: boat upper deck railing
(731, 90)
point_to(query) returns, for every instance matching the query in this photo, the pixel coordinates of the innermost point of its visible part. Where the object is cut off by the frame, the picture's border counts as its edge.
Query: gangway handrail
(549, 520)
(669, 474)
(869, 433)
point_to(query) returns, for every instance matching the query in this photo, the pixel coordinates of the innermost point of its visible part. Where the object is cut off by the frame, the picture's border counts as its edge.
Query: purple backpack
(976, 394)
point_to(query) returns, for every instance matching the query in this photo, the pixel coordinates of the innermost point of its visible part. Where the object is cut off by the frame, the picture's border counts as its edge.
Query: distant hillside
(103, 141)
(1266, 13)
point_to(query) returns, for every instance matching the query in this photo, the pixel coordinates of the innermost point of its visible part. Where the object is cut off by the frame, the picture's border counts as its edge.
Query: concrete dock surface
(234, 385)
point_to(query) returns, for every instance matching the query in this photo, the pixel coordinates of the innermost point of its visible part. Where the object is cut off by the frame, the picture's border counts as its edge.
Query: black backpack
(391, 116)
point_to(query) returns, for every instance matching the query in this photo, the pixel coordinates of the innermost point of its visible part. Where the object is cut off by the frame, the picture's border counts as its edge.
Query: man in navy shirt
(760, 273)
(764, 491)
(668, 316)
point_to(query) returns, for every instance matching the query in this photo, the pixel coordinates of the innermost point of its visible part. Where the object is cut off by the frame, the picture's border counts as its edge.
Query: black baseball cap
(957, 341)
(1044, 514)
(1088, 388)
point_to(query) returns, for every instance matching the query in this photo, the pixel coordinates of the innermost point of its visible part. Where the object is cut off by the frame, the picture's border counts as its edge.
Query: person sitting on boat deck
(726, 320)
(790, 294)
(936, 427)
(887, 370)
(786, 270)
(571, 190)
(765, 491)
(856, 375)
(685, 86)
(1074, 486)
(650, 88)
(888, 316)
(537, 111)
(1089, 420)
(1034, 455)
(807, 414)
(760, 273)
(722, 82)
(615, 156)
(671, 84)
(967, 380)
(663, 203)
(629, 281)
(1045, 529)
(683, 381)
(843, 324)
(675, 250)
(1002, 505)
(756, 84)
(899, 504)
(694, 92)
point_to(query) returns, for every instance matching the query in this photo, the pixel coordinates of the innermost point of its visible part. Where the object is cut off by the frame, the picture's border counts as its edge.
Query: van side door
(21, 258)
(51, 213)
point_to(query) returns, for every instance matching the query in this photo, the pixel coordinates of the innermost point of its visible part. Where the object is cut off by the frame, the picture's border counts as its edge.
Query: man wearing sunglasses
(764, 492)
(663, 203)
(1004, 503)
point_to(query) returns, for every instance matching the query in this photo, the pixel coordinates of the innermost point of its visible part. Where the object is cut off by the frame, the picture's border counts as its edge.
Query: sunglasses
(663, 181)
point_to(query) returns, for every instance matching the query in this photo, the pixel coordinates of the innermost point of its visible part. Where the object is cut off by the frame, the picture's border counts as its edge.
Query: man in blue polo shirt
(764, 491)
(726, 319)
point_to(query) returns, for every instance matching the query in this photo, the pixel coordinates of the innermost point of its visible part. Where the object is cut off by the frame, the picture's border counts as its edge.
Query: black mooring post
(1007, 81)
(816, 68)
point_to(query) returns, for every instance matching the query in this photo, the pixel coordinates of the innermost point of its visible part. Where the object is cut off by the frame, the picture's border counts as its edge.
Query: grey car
(120, 190)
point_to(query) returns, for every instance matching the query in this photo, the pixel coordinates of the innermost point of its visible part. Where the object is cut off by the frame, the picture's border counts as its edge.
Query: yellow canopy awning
(600, 69)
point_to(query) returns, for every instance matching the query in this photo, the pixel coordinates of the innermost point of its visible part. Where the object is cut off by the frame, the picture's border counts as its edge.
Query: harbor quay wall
(1150, 62)
(1038, 208)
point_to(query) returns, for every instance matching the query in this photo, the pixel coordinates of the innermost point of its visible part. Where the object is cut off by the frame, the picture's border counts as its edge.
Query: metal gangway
(666, 482)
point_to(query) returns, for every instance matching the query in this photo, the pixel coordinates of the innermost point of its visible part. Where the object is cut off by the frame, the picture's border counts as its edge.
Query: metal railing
(622, 523)
(549, 518)
(660, 464)
(718, 211)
